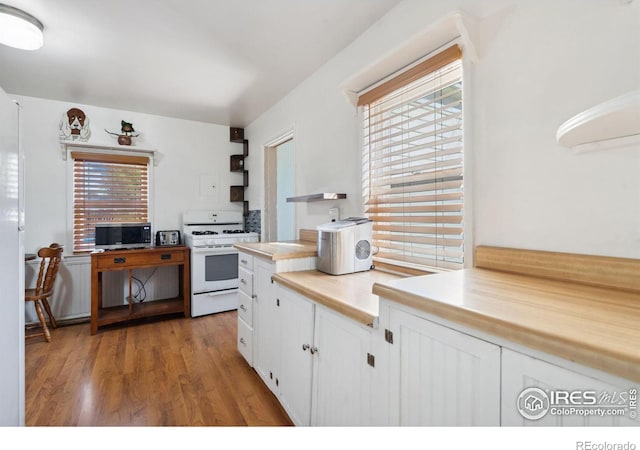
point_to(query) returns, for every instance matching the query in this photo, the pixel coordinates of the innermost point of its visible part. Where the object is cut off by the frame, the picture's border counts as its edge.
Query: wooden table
(115, 260)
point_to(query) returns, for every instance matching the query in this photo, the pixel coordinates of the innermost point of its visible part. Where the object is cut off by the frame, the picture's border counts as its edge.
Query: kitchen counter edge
(341, 293)
(277, 251)
(449, 301)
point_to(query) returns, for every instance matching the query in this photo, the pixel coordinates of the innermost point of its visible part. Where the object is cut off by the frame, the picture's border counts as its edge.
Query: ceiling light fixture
(19, 29)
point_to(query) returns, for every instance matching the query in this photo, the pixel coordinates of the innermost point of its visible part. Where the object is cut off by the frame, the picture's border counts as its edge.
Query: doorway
(280, 215)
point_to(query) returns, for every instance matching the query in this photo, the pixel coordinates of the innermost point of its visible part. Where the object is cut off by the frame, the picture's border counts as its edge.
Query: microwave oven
(116, 236)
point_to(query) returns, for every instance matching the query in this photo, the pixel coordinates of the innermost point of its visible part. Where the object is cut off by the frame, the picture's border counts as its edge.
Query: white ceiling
(217, 61)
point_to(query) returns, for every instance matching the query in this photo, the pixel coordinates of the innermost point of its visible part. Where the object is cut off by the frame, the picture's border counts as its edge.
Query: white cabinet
(245, 261)
(437, 376)
(284, 345)
(277, 324)
(314, 360)
(245, 341)
(295, 316)
(245, 307)
(415, 369)
(343, 365)
(266, 329)
(521, 372)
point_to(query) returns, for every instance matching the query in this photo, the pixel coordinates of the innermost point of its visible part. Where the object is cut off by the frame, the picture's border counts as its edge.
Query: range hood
(316, 197)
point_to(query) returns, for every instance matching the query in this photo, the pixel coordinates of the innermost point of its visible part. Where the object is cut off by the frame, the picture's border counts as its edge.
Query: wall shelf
(236, 164)
(611, 124)
(236, 135)
(316, 197)
(236, 193)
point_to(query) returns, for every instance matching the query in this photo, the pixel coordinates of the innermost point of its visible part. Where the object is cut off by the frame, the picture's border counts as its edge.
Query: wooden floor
(177, 372)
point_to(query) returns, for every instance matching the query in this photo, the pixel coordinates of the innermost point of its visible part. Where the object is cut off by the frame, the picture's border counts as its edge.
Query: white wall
(190, 151)
(539, 63)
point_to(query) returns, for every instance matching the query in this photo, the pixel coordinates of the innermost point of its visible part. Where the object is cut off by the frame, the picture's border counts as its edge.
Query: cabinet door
(245, 261)
(520, 372)
(296, 338)
(341, 376)
(245, 342)
(266, 326)
(441, 377)
(245, 281)
(245, 308)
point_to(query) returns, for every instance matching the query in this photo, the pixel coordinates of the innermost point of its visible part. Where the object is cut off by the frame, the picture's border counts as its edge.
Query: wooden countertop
(348, 294)
(594, 326)
(276, 251)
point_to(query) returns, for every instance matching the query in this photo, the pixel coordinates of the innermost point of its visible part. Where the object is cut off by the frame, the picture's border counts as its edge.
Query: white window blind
(107, 188)
(413, 165)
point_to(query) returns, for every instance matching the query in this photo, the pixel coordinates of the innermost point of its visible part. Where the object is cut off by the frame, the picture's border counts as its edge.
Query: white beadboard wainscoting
(72, 291)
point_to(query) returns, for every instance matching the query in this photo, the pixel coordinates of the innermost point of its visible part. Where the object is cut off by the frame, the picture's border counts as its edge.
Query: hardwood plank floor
(176, 372)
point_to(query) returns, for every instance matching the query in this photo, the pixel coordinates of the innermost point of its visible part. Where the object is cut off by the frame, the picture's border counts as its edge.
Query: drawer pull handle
(242, 341)
(120, 260)
(313, 350)
(165, 256)
(305, 347)
(244, 308)
(244, 261)
(243, 281)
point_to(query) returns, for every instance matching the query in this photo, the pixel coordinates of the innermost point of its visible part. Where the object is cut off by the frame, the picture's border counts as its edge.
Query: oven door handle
(216, 293)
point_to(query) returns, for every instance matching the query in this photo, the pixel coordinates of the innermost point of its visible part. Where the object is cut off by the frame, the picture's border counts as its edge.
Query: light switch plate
(334, 214)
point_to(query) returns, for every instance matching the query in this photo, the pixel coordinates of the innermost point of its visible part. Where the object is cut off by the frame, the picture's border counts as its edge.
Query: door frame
(270, 220)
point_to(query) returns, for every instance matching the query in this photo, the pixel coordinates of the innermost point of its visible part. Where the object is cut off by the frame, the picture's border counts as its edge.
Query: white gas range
(214, 260)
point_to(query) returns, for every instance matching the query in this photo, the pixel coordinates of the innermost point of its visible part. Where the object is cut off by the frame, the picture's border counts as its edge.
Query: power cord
(142, 291)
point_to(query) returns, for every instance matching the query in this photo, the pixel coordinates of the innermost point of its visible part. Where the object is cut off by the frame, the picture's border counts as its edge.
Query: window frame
(468, 162)
(107, 151)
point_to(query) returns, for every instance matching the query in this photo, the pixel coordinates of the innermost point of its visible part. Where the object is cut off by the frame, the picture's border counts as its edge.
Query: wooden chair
(49, 265)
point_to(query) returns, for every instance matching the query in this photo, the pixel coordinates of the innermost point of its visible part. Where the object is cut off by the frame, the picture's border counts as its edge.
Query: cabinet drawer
(245, 261)
(245, 281)
(245, 308)
(123, 260)
(245, 341)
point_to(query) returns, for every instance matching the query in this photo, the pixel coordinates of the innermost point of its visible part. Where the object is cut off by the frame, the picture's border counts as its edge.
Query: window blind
(107, 188)
(413, 166)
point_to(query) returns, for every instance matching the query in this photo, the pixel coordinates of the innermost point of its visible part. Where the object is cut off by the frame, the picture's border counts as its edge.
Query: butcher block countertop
(597, 326)
(276, 251)
(348, 294)
(582, 308)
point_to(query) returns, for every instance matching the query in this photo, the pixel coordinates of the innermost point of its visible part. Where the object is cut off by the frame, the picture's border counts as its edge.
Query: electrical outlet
(334, 214)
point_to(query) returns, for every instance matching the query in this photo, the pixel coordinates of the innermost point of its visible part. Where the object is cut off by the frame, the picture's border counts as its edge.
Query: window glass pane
(107, 191)
(413, 172)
